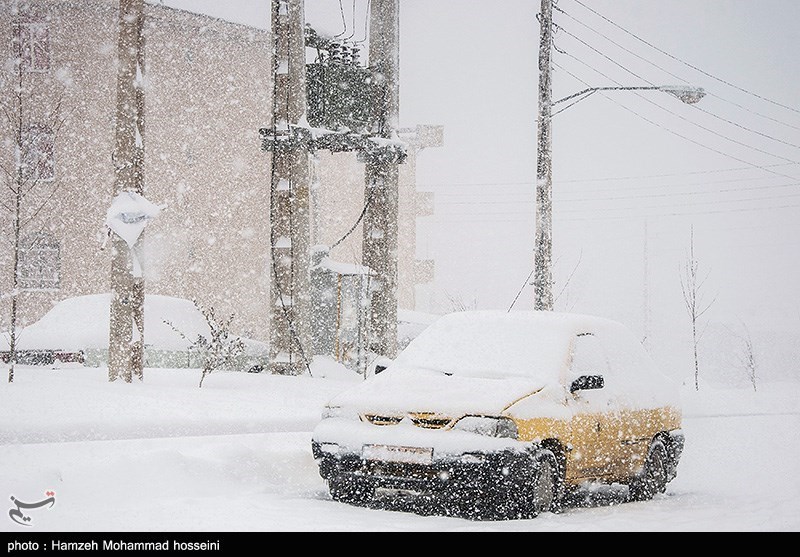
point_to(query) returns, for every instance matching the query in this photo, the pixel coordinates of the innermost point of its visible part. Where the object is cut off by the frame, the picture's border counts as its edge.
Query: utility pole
(543, 251)
(289, 196)
(381, 192)
(646, 289)
(126, 334)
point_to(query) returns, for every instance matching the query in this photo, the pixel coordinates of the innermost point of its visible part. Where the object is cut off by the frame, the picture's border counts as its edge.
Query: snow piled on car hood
(421, 391)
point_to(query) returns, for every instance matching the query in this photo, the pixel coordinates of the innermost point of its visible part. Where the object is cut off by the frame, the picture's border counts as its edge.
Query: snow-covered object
(482, 400)
(81, 323)
(129, 214)
(488, 362)
(172, 467)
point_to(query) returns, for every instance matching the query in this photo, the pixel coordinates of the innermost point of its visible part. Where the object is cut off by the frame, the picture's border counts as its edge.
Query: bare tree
(747, 357)
(32, 125)
(692, 284)
(457, 302)
(217, 350)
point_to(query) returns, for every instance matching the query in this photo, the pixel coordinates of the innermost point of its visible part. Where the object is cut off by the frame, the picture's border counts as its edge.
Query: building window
(39, 262)
(38, 150)
(32, 46)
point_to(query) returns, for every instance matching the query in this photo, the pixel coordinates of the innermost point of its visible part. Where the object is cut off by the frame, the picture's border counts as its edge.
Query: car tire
(350, 490)
(546, 487)
(654, 477)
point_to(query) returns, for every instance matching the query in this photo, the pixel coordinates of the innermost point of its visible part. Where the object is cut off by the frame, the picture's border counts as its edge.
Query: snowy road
(739, 473)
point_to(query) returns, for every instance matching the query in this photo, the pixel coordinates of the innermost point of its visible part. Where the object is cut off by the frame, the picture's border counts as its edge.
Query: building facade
(207, 94)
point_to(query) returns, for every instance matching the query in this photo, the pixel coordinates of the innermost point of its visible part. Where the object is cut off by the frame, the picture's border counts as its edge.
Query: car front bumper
(482, 471)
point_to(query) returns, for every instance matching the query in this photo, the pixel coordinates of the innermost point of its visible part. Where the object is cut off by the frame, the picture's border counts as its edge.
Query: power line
(738, 125)
(781, 122)
(714, 132)
(344, 22)
(586, 199)
(698, 143)
(693, 204)
(767, 136)
(626, 218)
(633, 188)
(352, 34)
(603, 179)
(595, 210)
(355, 224)
(366, 23)
(625, 197)
(619, 45)
(685, 62)
(696, 213)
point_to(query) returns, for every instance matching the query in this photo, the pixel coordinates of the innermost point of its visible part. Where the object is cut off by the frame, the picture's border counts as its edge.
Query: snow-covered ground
(166, 456)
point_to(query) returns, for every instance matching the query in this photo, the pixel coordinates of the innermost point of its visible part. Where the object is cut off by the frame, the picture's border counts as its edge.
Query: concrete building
(207, 96)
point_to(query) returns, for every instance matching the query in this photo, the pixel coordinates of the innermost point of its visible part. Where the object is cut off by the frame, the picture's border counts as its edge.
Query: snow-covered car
(75, 330)
(504, 414)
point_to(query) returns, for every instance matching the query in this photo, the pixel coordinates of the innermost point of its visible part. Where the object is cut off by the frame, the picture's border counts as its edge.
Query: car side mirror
(379, 368)
(587, 383)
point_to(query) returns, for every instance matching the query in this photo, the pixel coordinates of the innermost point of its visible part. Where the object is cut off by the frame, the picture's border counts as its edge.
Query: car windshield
(489, 345)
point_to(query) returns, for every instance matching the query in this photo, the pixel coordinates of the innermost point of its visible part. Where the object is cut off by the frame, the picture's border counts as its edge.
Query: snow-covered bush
(220, 348)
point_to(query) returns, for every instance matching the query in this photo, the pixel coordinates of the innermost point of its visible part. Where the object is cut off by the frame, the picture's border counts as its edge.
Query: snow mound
(82, 323)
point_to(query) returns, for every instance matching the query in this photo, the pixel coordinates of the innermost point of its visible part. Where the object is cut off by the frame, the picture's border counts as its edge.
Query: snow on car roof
(82, 322)
(497, 344)
(488, 361)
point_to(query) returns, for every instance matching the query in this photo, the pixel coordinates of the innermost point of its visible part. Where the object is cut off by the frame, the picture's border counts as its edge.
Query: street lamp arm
(688, 95)
(595, 89)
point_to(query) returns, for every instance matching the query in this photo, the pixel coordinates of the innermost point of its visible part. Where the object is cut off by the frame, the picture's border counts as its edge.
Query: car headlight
(488, 425)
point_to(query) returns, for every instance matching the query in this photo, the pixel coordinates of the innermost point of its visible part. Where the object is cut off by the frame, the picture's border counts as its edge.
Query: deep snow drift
(235, 455)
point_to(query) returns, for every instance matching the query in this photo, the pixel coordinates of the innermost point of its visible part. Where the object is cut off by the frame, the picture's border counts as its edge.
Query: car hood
(395, 392)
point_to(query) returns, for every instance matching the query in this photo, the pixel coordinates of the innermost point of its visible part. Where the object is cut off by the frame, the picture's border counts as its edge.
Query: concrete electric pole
(543, 250)
(289, 196)
(381, 194)
(126, 331)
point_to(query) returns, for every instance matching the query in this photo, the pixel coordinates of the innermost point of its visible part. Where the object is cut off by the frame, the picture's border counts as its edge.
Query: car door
(633, 422)
(594, 423)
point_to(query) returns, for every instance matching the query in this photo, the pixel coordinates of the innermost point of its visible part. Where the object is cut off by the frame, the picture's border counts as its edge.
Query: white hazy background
(633, 172)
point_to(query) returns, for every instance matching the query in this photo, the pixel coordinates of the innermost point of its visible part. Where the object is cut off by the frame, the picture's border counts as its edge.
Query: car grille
(424, 420)
(429, 422)
(376, 419)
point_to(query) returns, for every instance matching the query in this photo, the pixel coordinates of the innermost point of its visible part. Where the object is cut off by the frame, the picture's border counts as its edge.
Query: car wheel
(503, 495)
(545, 489)
(653, 478)
(350, 490)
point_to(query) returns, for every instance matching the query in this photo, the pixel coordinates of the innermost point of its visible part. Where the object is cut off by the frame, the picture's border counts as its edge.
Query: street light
(687, 94)
(543, 274)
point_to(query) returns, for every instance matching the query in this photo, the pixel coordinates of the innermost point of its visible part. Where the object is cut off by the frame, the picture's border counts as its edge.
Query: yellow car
(504, 414)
